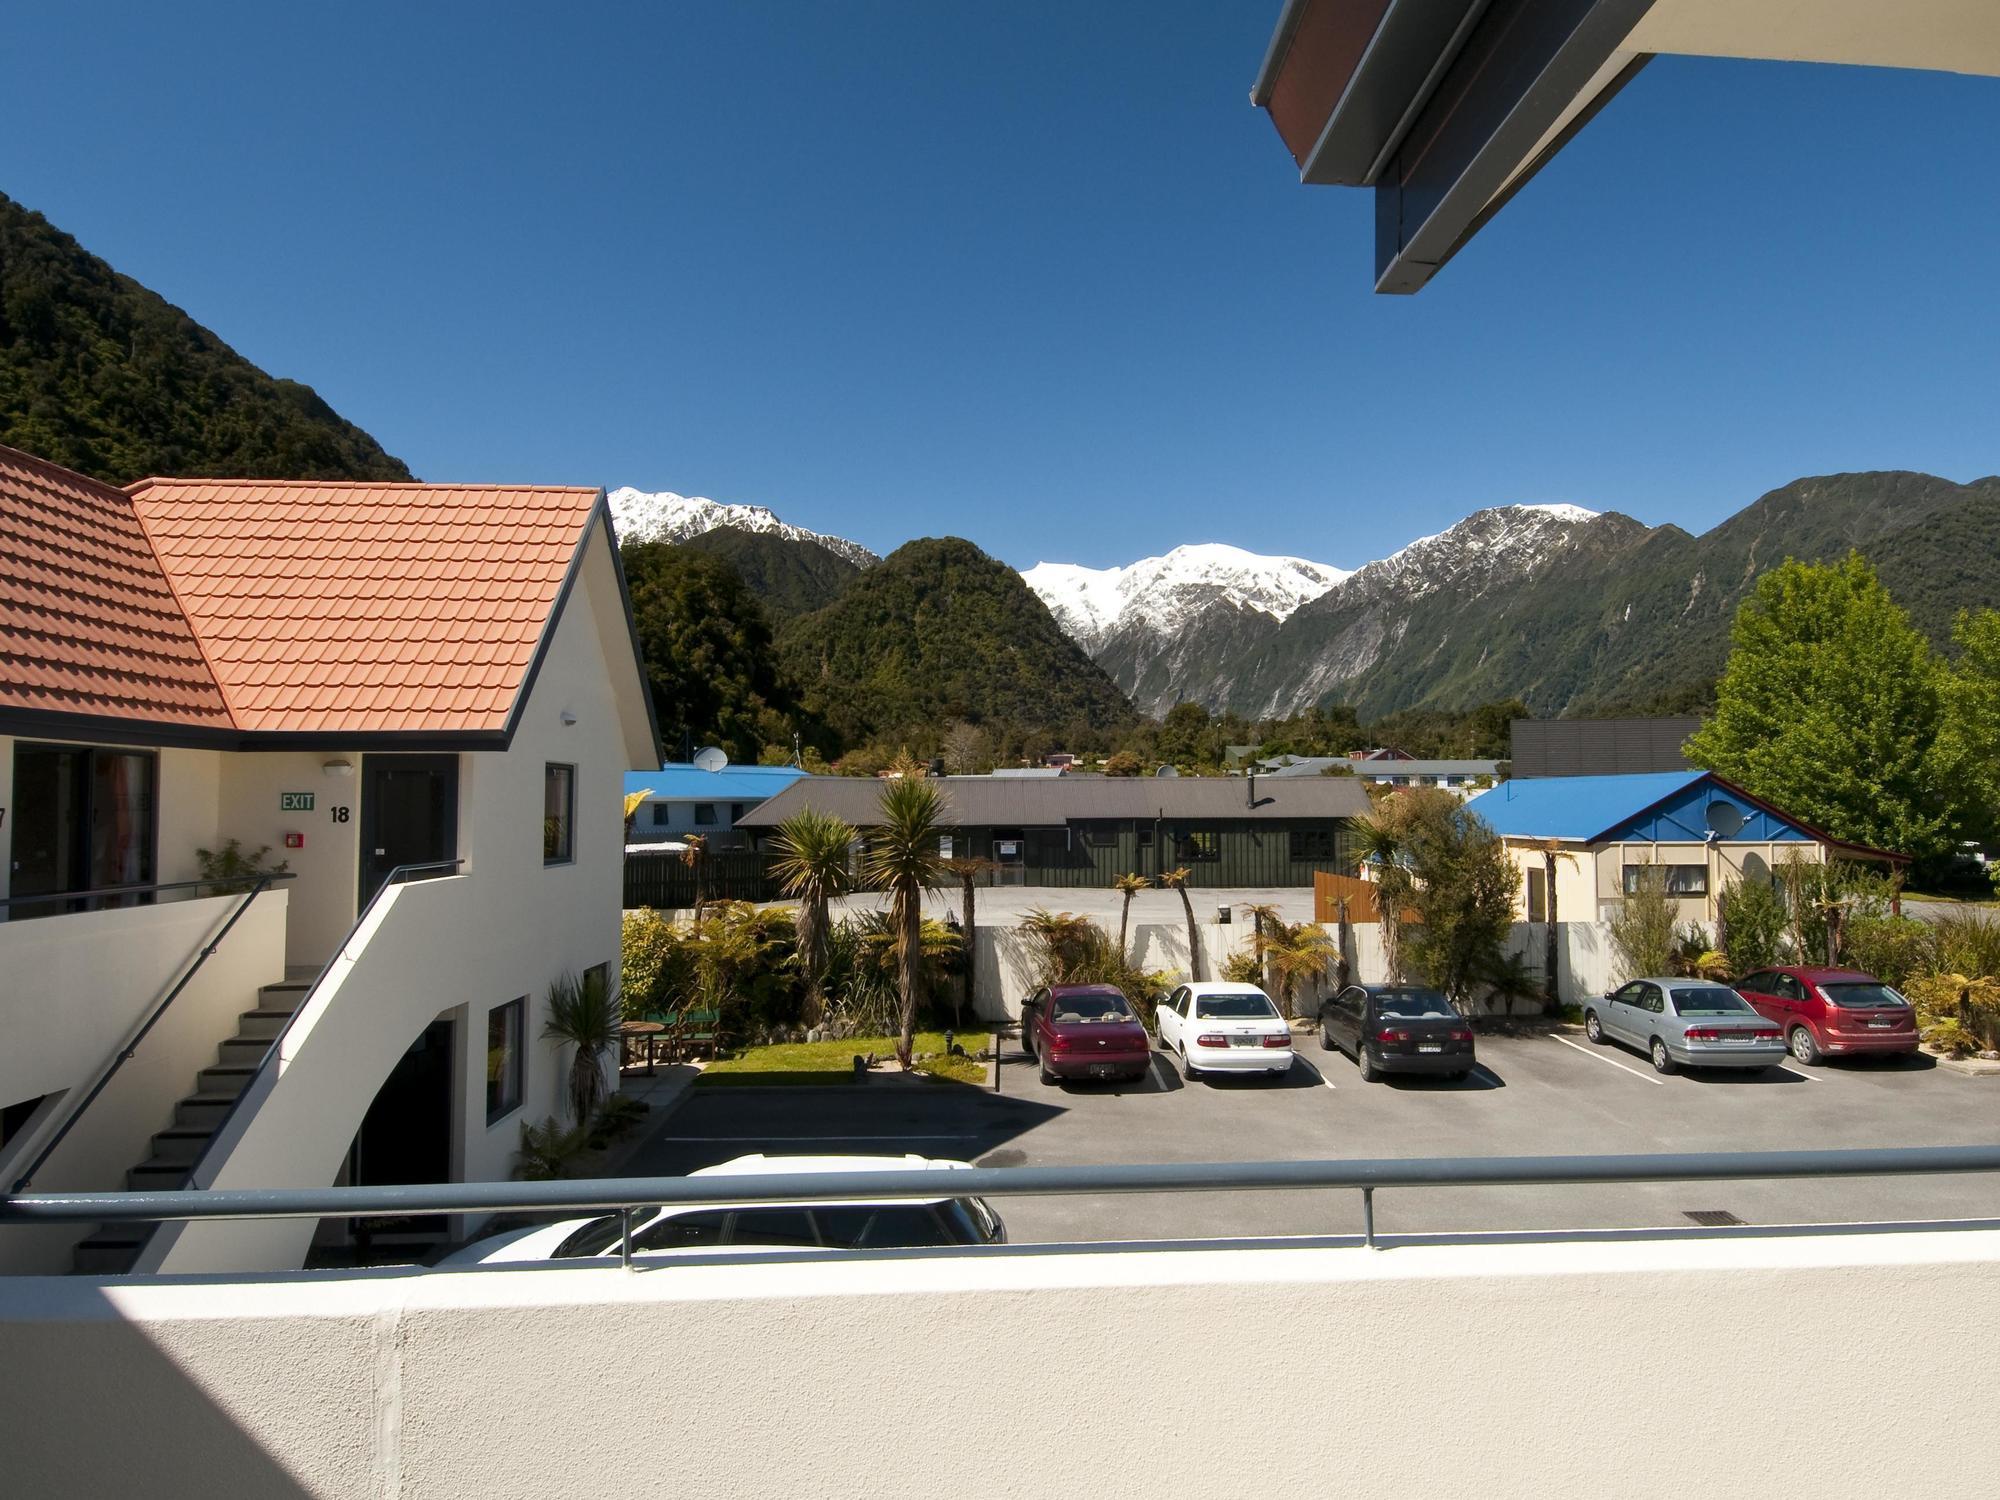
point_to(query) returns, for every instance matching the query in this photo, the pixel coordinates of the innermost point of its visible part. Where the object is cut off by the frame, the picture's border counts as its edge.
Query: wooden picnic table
(632, 1032)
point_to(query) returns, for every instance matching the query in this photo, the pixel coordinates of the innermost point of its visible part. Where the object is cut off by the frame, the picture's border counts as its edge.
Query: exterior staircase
(113, 1249)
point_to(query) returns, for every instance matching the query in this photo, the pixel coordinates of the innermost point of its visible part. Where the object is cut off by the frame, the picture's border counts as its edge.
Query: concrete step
(157, 1176)
(243, 1051)
(109, 1252)
(262, 1023)
(284, 997)
(228, 1078)
(202, 1111)
(181, 1143)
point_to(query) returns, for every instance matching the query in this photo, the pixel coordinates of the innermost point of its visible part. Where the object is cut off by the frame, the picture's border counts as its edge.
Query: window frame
(1629, 880)
(1197, 846)
(517, 1066)
(1306, 842)
(701, 821)
(565, 850)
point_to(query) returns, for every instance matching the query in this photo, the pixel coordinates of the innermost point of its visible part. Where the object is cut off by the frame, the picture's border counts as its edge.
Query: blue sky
(1034, 274)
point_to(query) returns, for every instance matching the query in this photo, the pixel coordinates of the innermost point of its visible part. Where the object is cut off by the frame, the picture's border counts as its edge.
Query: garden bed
(811, 1064)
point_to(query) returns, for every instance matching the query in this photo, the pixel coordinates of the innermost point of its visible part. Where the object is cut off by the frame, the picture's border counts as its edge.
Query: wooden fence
(662, 881)
(1363, 897)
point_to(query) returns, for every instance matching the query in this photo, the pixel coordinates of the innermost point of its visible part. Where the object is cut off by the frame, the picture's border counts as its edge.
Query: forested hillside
(101, 375)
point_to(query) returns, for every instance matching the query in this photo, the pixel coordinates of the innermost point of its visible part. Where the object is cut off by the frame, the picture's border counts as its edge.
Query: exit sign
(295, 802)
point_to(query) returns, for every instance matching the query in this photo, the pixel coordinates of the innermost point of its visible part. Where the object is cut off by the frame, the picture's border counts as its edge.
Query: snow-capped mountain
(1165, 594)
(661, 515)
(1218, 625)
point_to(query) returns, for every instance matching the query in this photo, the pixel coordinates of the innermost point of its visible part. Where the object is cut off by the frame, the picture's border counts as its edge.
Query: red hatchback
(1832, 1012)
(1084, 1031)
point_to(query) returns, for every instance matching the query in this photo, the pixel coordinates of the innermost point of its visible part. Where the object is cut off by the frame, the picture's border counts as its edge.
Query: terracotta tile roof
(365, 608)
(88, 622)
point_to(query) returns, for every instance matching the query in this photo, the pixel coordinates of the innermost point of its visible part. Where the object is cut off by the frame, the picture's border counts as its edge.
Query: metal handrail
(619, 1194)
(152, 889)
(125, 1053)
(395, 877)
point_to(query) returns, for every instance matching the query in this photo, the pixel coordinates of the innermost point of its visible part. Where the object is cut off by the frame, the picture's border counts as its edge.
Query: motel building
(422, 700)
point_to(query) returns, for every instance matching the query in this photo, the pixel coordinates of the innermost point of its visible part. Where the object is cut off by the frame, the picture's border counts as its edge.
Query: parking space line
(1808, 1077)
(1608, 1061)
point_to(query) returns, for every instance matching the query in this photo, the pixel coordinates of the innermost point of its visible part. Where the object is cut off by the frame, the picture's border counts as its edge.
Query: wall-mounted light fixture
(338, 768)
(568, 718)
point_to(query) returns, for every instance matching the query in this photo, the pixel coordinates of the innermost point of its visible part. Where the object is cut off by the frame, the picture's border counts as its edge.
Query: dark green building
(1228, 832)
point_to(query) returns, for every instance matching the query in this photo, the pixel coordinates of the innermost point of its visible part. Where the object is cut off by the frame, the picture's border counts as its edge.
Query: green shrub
(230, 870)
(1893, 949)
(1750, 917)
(1643, 928)
(1966, 942)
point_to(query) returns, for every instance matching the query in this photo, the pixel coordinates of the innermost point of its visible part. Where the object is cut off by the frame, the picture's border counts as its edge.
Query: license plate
(1246, 1041)
(1880, 1025)
(1103, 1070)
(1430, 1046)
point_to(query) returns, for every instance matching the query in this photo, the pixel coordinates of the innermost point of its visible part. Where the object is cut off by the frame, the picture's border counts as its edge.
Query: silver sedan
(1685, 1023)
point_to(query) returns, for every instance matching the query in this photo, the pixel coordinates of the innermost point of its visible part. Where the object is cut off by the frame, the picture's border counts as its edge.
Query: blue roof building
(1701, 832)
(683, 799)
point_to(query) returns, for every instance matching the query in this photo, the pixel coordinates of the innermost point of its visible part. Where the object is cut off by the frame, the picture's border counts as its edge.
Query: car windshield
(1412, 1005)
(593, 1238)
(1709, 1000)
(1252, 1007)
(1091, 1008)
(1864, 994)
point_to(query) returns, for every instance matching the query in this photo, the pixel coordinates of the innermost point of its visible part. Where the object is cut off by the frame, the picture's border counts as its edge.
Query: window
(1538, 896)
(773, 1226)
(1098, 835)
(558, 814)
(1313, 843)
(1708, 1000)
(682, 1231)
(1145, 832)
(1246, 1007)
(1681, 880)
(876, 1226)
(736, 810)
(1199, 846)
(83, 820)
(505, 1057)
(704, 812)
(663, 815)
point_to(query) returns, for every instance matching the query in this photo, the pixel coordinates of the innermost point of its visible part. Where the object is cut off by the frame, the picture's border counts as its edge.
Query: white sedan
(697, 1228)
(1220, 1027)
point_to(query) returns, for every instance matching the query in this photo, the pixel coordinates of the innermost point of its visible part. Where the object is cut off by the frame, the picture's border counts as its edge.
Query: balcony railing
(627, 1195)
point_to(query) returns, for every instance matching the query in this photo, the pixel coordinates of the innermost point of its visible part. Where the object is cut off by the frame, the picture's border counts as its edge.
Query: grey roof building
(1226, 831)
(1601, 747)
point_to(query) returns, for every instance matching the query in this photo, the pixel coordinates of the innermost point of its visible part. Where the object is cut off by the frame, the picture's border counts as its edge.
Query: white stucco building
(423, 699)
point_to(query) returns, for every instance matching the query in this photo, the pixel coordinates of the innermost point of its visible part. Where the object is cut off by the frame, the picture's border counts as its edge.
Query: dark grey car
(1397, 1028)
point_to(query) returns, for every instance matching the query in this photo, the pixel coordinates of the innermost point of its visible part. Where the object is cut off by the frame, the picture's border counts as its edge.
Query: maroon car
(1084, 1031)
(1831, 1012)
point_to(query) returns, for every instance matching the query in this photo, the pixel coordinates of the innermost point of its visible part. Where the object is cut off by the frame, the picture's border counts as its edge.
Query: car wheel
(1804, 1048)
(1325, 1039)
(1593, 1028)
(1188, 1070)
(1047, 1077)
(1369, 1072)
(1663, 1061)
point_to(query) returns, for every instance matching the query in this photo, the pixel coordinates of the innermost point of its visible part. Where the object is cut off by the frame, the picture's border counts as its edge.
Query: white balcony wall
(1492, 1369)
(73, 990)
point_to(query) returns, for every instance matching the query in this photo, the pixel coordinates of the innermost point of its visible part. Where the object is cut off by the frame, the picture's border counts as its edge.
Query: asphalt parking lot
(1535, 1093)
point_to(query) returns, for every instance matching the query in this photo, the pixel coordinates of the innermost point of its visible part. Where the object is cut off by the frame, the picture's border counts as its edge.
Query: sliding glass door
(84, 819)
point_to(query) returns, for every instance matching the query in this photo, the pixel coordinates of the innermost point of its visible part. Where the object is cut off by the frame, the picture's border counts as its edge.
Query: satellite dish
(709, 758)
(1724, 819)
(1166, 771)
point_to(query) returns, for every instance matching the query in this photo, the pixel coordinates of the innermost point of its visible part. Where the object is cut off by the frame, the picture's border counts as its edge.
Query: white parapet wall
(1626, 1365)
(74, 989)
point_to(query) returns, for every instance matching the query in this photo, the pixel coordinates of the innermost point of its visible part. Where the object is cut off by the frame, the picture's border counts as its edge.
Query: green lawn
(805, 1063)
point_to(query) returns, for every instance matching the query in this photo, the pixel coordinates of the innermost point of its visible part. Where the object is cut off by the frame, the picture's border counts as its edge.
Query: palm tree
(586, 1015)
(1177, 880)
(1264, 920)
(633, 802)
(1127, 886)
(812, 867)
(903, 860)
(1297, 954)
(1065, 939)
(968, 870)
(1378, 841)
(696, 845)
(1343, 971)
(1552, 853)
